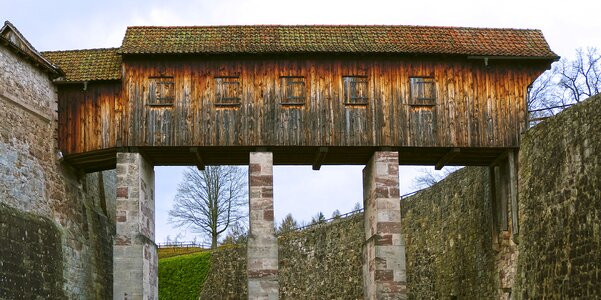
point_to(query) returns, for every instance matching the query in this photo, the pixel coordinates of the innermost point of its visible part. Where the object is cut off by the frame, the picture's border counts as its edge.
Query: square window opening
(293, 90)
(228, 91)
(161, 91)
(355, 90)
(423, 91)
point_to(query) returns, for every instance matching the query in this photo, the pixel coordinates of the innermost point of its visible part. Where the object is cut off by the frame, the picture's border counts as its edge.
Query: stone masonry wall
(35, 241)
(321, 262)
(324, 261)
(449, 244)
(33, 182)
(560, 206)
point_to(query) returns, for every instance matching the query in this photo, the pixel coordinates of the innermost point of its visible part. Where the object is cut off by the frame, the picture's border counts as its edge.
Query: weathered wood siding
(90, 119)
(476, 106)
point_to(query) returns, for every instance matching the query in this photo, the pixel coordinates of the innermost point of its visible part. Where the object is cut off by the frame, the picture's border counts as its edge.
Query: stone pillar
(135, 263)
(262, 253)
(384, 271)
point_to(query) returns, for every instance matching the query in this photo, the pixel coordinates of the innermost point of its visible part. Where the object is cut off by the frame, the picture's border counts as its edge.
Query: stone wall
(227, 278)
(34, 183)
(35, 241)
(448, 240)
(321, 262)
(560, 206)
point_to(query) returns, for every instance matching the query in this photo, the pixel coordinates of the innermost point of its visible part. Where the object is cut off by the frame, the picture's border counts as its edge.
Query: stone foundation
(262, 249)
(135, 262)
(384, 270)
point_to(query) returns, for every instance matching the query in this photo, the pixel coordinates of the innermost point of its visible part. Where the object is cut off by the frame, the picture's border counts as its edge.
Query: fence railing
(348, 214)
(184, 245)
(533, 119)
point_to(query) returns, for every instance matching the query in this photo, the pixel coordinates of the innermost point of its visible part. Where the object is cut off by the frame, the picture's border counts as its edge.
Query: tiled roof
(85, 65)
(337, 39)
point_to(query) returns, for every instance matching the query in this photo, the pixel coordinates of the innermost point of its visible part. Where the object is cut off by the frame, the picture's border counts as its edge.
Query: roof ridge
(330, 26)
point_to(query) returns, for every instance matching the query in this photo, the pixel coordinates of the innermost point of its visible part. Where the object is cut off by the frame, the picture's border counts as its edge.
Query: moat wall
(560, 206)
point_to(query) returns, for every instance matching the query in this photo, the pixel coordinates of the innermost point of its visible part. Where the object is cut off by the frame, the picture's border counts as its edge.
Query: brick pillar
(384, 271)
(135, 263)
(262, 253)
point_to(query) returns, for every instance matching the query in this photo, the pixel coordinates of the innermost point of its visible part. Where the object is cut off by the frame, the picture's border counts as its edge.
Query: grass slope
(175, 251)
(182, 277)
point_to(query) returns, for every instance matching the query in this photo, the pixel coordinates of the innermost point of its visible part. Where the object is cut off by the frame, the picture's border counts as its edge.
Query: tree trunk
(214, 241)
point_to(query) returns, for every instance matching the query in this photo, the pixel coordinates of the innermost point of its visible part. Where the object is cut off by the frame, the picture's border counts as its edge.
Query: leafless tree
(568, 82)
(428, 176)
(210, 201)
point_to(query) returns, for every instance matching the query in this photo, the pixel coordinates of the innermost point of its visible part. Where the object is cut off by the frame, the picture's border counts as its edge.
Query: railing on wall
(533, 120)
(348, 214)
(184, 245)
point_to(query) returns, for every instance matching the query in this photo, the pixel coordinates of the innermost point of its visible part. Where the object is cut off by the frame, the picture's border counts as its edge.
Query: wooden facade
(197, 109)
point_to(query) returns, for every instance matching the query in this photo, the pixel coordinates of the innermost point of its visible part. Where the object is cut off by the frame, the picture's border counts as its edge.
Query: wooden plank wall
(90, 119)
(476, 106)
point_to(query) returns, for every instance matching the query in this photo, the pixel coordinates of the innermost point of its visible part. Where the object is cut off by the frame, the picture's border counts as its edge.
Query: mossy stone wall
(560, 206)
(449, 244)
(31, 266)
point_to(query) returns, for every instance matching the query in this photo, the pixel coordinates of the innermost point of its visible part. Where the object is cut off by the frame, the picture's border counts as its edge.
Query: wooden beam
(492, 196)
(513, 190)
(198, 158)
(499, 158)
(320, 156)
(447, 158)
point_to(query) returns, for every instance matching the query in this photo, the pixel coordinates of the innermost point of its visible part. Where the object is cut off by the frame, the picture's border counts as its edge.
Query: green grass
(181, 277)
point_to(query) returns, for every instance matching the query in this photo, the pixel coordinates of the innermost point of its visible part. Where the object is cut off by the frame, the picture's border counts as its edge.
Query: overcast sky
(78, 24)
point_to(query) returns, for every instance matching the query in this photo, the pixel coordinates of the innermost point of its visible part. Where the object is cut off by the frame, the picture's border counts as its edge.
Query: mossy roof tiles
(86, 65)
(337, 39)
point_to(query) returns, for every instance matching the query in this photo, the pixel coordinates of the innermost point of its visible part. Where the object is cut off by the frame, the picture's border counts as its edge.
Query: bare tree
(568, 82)
(210, 201)
(428, 177)
(580, 78)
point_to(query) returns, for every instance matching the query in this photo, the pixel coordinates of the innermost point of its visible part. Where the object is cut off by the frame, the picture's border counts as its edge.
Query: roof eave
(506, 57)
(35, 57)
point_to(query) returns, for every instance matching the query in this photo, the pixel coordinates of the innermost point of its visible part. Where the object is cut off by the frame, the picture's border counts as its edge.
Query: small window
(293, 90)
(423, 91)
(161, 91)
(355, 90)
(227, 91)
